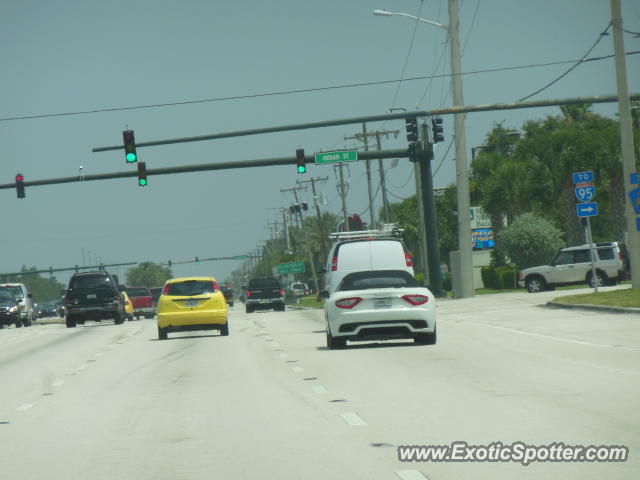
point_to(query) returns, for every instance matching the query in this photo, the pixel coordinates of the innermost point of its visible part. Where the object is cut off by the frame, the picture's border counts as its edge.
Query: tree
(530, 240)
(148, 274)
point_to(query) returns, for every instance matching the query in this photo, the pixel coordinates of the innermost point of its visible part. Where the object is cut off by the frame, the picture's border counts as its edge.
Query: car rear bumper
(382, 324)
(143, 311)
(94, 312)
(191, 319)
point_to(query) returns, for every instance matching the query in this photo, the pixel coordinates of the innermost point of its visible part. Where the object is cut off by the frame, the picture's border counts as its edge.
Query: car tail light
(407, 257)
(415, 299)
(215, 287)
(67, 297)
(165, 290)
(621, 255)
(334, 263)
(281, 291)
(248, 293)
(348, 303)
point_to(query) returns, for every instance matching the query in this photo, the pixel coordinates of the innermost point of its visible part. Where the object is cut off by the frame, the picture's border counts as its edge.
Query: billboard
(482, 238)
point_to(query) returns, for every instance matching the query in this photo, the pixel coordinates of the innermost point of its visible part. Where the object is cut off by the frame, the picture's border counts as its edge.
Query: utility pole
(363, 137)
(304, 235)
(626, 142)
(465, 271)
(323, 234)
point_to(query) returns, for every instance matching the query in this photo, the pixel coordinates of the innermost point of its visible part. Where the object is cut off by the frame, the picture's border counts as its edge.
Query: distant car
(47, 310)
(9, 309)
(128, 306)
(93, 296)
(228, 295)
(142, 302)
(300, 289)
(192, 303)
(572, 266)
(379, 305)
(23, 298)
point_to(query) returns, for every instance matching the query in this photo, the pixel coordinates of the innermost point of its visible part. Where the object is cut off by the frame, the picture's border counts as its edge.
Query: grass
(310, 301)
(617, 298)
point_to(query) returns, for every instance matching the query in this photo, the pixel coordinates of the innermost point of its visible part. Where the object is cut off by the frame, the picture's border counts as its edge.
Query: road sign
(582, 177)
(635, 178)
(336, 157)
(585, 192)
(634, 195)
(290, 267)
(587, 209)
(638, 224)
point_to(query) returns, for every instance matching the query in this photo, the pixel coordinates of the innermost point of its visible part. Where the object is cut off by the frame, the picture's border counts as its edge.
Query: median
(627, 300)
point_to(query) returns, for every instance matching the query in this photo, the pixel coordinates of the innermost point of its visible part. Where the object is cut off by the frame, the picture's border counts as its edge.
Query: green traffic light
(142, 182)
(131, 157)
(302, 169)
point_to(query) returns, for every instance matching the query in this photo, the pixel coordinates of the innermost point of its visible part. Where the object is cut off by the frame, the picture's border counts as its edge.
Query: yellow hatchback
(128, 306)
(192, 303)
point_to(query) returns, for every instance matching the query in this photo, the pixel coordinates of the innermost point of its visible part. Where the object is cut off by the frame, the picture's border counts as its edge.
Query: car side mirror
(323, 294)
(30, 295)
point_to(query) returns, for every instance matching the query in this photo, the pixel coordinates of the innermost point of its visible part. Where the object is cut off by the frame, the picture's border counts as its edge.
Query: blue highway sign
(634, 195)
(585, 193)
(587, 209)
(635, 178)
(581, 177)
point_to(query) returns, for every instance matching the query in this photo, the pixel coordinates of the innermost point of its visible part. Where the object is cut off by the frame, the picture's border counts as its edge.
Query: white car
(379, 305)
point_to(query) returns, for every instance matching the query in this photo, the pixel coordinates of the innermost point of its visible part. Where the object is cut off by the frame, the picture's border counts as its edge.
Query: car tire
(535, 284)
(70, 321)
(426, 338)
(26, 322)
(334, 343)
(162, 333)
(231, 304)
(224, 330)
(130, 318)
(18, 323)
(118, 319)
(279, 307)
(248, 309)
(601, 279)
(80, 322)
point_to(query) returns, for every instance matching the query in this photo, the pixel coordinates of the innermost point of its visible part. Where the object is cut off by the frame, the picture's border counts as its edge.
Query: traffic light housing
(412, 129)
(20, 185)
(142, 174)
(129, 146)
(301, 162)
(197, 260)
(437, 130)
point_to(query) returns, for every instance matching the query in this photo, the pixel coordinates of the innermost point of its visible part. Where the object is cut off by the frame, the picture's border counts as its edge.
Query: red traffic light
(20, 185)
(19, 178)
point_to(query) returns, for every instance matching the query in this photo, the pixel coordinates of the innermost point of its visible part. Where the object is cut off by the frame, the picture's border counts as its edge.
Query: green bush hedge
(498, 278)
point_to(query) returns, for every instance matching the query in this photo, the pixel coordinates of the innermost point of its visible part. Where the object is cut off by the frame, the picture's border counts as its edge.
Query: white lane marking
(275, 345)
(82, 367)
(591, 364)
(297, 369)
(284, 355)
(353, 419)
(24, 407)
(411, 475)
(319, 389)
(551, 337)
(57, 383)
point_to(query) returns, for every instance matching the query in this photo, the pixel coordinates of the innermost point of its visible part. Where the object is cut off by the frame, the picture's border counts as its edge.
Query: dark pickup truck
(264, 293)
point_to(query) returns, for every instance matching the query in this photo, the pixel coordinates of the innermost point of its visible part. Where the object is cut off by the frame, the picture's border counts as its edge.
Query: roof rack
(387, 230)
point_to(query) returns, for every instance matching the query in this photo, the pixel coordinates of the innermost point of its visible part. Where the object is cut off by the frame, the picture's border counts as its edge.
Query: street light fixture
(463, 286)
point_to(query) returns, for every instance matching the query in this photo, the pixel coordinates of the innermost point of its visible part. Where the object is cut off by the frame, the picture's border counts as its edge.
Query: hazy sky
(80, 55)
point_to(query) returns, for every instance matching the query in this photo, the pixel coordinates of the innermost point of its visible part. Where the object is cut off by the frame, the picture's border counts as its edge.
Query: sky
(61, 58)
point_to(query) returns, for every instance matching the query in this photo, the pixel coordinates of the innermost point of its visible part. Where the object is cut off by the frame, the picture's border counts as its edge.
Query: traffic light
(129, 146)
(300, 161)
(412, 129)
(169, 263)
(197, 260)
(142, 174)
(20, 185)
(436, 128)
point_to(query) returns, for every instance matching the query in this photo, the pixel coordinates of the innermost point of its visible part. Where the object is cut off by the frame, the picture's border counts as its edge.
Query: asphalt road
(105, 401)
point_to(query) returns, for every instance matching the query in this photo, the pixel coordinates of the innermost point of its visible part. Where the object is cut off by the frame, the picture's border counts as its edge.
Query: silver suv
(572, 266)
(23, 301)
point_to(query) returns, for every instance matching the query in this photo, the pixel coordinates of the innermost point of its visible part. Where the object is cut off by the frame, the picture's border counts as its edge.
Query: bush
(420, 279)
(507, 276)
(490, 278)
(530, 241)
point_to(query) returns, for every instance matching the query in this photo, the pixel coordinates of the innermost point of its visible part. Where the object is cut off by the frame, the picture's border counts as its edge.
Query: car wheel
(162, 333)
(600, 280)
(334, 343)
(18, 323)
(279, 307)
(426, 338)
(535, 284)
(26, 322)
(231, 304)
(224, 331)
(118, 319)
(70, 321)
(248, 309)
(80, 322)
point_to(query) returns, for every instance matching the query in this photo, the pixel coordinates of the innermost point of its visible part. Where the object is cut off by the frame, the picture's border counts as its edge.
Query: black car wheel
(162, 333)
(248, 309)
(118, 319)
(426, 338)
(535, 284)
(600, 280)
(70, 321)
(224, 331)
(334, 343)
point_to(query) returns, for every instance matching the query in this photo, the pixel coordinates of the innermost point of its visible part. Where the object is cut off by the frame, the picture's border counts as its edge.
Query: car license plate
(91, 295)
(382, 302)
(265, 300)
(191, 303)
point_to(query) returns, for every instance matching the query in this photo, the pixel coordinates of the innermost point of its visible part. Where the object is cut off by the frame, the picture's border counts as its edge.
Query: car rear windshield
(14, 291)
(138, 292)
(264, 283)
(191, 287)
(91, 281)
(378, 279)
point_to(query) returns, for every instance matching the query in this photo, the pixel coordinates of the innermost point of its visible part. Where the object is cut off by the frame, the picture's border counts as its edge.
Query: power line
(306, 90)
(602, 34)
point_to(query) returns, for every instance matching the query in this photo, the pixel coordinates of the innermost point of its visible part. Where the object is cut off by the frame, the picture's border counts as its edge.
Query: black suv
(94, 296)
(264, 293)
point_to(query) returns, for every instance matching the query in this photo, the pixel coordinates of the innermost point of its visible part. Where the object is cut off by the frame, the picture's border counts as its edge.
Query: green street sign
(335, 157)
(290, 267)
